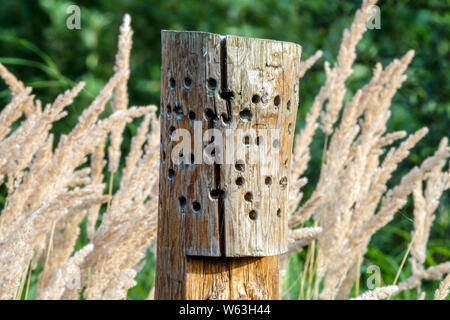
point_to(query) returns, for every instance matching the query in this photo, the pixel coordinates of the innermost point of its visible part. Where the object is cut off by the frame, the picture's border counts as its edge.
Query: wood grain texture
(232, 278)
(215, 215)
(263, 75)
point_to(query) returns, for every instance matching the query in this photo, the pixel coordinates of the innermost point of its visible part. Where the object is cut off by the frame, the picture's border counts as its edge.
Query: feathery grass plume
(442, 292)
(15, 85)
(49, 191)
(306, 65)
(337, 76)
(350, 171)
(97, 165)
(334, 91)
(67, 276)
(378, 293)
(120, 101)
(351, 201)
(130, 224)
(426, 202)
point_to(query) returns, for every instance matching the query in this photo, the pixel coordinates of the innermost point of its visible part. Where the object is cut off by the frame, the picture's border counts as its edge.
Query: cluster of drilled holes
(240, 166)
(276, 101)
(253, 214)
(246, 114)
(268, 181)
(187, 83)
(191, 115)
(196, 206)
(211, 83)
(248, 196)
(240, 181)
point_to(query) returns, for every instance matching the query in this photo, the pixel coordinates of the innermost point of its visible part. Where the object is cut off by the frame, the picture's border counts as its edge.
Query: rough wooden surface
(232, 278)
(214, 216)
(263, 76)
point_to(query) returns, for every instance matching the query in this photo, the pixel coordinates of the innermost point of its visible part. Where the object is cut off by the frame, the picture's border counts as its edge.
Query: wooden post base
(223, 279)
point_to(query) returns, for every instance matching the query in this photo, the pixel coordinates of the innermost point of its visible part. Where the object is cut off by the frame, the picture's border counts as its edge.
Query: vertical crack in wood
(217, 167)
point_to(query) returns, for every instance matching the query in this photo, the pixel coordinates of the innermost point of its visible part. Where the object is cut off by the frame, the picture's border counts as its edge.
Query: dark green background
(36, 45)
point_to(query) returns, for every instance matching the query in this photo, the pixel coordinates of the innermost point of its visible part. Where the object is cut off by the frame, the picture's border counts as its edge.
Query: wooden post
(228, 112)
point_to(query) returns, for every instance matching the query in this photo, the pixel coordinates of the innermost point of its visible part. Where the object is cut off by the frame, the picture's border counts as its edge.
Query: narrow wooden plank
(260, 73)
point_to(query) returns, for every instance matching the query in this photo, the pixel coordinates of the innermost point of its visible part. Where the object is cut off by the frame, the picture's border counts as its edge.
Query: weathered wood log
(228, 112)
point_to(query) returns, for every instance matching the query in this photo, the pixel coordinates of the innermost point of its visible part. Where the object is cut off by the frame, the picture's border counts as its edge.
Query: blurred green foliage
(38, 47)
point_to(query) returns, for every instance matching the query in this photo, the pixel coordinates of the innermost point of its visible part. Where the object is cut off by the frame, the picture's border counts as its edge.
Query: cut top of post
(228, 112)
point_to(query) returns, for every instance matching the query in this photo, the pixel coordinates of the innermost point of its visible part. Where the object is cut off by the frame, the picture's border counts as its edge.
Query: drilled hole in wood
(187, 82)
(171, 132)
(277, 100)
(276, 143)
(178, 110)
(182, 202)
(163, 156)
(268, 181)
(196, 206)
(240, 181)
(170, 174)
(256, 98)
(212, 84)
(258, 140)
(289, 105)
(290, 128)
(192, 158)
(248, 197)
(210, 114)
(172, 83)
(191, 115)
(279, 212)
(246, 114)
(240, 165)
(253, 214)
(169, 111)
(247, 140)
(217, 193)
(283, 182)
(225, 118)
